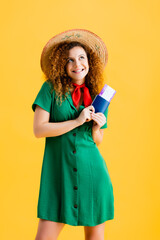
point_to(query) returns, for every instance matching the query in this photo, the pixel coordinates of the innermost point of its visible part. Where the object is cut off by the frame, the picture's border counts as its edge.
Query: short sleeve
(44, 97)
(106, 115)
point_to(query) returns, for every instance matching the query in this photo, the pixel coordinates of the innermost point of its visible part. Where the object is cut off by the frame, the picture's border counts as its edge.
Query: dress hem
(71, 224)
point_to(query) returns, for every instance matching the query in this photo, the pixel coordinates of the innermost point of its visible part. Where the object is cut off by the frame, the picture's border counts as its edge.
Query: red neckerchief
(76, 95)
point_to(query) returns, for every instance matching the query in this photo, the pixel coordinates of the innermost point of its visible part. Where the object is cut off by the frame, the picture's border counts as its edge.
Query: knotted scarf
(76, 95)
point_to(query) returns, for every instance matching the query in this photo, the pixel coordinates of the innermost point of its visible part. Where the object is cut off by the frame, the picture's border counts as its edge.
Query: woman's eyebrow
(78, 56)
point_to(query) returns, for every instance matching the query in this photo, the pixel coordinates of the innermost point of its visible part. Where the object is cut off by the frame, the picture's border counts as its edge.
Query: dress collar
(69, 98)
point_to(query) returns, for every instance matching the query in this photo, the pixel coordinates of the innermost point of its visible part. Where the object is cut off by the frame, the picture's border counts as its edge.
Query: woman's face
(77, 65)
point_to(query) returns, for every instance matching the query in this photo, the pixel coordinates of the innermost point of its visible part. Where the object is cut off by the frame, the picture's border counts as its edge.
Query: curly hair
(56, 71)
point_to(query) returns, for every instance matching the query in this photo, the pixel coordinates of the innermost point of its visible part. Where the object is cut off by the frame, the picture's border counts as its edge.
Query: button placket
(75, 183)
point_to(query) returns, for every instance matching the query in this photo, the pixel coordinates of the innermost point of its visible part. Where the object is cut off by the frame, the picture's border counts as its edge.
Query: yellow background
(131, 142)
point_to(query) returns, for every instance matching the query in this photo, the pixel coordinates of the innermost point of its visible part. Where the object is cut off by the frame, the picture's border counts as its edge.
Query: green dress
(75, 186)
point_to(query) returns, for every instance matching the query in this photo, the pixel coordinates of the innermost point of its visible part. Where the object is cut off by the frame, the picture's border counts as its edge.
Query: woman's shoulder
(48, 86)
(48, 83)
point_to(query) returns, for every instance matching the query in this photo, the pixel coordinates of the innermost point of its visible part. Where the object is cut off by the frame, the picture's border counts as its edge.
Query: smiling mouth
(78, 71)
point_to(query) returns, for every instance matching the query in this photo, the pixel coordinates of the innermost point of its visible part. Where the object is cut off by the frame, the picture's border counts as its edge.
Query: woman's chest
(65, 111)
(80, 101)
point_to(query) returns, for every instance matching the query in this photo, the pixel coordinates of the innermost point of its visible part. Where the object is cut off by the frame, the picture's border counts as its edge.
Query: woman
(75, 186)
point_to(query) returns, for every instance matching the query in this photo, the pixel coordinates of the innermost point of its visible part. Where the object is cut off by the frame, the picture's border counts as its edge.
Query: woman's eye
(70, 60)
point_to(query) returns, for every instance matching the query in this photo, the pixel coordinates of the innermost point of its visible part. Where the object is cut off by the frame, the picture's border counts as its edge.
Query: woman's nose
(77, 64)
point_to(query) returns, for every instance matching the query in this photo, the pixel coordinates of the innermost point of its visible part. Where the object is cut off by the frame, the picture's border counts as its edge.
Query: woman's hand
(99, 120)
(85, 115)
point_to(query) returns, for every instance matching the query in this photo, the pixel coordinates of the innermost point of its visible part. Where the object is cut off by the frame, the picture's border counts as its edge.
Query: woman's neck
(79, 82)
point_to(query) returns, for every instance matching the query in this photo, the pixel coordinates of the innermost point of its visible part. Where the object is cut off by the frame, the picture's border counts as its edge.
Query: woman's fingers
(99, 114)
(91, 108)
(89, 117)
(99, 118)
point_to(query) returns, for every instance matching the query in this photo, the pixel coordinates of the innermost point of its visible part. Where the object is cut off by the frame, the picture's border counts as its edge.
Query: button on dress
(75, 186)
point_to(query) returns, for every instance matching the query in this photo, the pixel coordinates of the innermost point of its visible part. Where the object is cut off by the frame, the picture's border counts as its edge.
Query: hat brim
(83, 36)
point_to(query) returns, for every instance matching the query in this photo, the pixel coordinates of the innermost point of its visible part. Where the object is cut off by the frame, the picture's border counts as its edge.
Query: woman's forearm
(53, 129)
(97, 136)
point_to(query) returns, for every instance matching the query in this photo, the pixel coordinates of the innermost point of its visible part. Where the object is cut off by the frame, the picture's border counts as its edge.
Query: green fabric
(73, 170)
(44, 97)
(106, 115)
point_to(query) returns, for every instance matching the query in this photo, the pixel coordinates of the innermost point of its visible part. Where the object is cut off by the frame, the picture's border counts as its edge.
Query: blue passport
(103, 99)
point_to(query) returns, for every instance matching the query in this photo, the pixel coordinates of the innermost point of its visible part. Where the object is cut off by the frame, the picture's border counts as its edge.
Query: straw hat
(80, 35)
